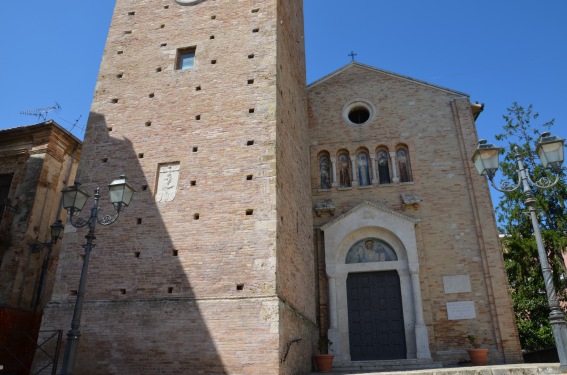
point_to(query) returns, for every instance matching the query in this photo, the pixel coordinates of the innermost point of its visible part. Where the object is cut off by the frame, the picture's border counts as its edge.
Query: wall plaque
(457, 284)
(460, 310)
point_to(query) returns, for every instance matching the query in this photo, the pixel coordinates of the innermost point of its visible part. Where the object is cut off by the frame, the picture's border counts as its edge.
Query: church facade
(270, 213)
(408, 252)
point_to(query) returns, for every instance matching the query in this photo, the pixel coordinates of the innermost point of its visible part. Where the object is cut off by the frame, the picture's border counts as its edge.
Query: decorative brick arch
(370, 220)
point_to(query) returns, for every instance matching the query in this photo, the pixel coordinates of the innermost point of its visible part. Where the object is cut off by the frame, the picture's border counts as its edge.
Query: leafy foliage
(522, 263)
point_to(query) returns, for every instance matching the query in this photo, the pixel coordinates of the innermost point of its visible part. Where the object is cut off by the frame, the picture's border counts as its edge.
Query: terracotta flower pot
(324, 362)
(478, 357)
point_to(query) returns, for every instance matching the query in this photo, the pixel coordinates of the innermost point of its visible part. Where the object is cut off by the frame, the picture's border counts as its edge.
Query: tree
(521, 132)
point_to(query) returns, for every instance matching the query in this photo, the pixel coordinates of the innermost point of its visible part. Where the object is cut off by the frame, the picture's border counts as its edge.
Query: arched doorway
(366, 249)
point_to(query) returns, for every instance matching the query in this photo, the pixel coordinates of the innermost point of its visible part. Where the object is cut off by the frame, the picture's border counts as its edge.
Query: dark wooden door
(375, 316)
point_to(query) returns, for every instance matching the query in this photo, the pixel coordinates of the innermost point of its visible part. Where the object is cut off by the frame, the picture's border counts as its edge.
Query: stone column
(334, 167)
(332, 309)
(374, 167)
(421, 336)
(395, 178)
(333, 319)
(354, 181)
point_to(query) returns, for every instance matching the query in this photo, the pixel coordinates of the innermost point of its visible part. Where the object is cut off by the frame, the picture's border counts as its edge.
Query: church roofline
(371, 68)
(371, 205)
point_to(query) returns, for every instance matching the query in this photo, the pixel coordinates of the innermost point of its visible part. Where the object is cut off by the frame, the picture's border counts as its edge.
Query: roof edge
(364, 66)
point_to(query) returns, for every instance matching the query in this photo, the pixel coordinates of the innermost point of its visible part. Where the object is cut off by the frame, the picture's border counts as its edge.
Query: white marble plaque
(168, 175)
(460, 310)
(457, 284)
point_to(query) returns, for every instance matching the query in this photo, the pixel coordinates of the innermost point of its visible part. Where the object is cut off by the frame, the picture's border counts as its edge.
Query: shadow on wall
(140, 315)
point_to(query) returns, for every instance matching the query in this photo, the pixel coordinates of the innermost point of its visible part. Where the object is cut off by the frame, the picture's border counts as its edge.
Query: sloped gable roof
(357, 65)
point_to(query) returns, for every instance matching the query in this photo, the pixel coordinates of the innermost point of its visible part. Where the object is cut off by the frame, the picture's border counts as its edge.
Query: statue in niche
(403, 163)
(167, 182)
(325, 172)
(344, 170)
(383, 167)
(363, 169)
(370, 250)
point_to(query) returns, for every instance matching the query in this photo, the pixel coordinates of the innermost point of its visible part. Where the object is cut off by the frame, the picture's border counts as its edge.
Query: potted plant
(324, 360)
(478, 355)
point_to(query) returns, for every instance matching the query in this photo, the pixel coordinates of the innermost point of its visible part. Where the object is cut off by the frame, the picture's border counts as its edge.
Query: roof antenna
(75, 123)
(41, 113)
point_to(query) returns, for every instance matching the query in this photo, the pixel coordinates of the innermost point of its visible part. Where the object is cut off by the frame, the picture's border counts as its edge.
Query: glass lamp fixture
(485, 158)
(74, 198)
(550, 151)
(121, 192)
(56, 230)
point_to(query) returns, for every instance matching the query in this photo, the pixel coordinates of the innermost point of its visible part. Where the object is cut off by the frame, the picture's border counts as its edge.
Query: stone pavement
(518, 369)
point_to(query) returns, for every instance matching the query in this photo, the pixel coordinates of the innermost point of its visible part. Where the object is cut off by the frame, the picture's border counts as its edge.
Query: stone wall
(40, 158)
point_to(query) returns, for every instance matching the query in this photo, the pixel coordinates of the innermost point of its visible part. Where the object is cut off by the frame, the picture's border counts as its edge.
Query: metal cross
(352, 54)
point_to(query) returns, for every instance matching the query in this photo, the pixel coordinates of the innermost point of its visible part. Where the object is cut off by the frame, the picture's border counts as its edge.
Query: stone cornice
(373, 206)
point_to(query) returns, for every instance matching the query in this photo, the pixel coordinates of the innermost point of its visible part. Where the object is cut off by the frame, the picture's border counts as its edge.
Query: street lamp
(56, 234)
(74, 200)
(550, 151)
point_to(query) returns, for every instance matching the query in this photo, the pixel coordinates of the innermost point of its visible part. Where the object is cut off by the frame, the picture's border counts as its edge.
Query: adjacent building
(36, 161)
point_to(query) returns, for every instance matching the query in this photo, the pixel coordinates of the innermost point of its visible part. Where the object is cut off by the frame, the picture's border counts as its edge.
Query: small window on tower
(185, 58)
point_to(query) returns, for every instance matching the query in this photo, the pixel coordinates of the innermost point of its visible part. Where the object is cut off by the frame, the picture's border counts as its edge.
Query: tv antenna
(41, 113)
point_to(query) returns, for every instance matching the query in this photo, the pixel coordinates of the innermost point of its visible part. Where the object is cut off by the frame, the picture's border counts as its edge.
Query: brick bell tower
(202, 104)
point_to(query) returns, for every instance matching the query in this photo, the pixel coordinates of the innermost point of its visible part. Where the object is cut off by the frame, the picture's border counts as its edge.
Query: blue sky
(496, 51)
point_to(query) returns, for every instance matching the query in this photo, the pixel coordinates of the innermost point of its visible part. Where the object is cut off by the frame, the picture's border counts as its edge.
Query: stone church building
(269, 213)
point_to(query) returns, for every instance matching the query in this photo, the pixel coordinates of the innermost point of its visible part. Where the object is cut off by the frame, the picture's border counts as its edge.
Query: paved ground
(520, 369)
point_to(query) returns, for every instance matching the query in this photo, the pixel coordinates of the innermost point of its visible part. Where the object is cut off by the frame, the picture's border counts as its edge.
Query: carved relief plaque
(168, 175)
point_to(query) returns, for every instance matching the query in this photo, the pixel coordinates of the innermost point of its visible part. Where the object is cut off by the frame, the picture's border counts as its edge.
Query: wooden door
(375, 316)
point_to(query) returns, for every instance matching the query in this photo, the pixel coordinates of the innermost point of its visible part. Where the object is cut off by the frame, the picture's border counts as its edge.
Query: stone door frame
(370, 220)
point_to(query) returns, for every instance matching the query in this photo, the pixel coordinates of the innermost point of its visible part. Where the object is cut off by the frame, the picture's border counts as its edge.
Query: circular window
(359, 115)
(358, 112)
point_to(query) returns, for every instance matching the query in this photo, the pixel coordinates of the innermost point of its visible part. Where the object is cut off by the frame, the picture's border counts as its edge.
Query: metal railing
(36, 353)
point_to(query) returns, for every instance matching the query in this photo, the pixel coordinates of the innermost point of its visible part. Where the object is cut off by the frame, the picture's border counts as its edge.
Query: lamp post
(550, 151)
(74, 200)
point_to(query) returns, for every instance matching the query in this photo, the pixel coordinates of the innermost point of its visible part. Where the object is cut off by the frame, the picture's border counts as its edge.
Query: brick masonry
(222, 279)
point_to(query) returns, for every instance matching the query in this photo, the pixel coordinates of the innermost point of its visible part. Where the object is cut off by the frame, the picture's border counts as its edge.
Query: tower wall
(210, 270)
(296, 277)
